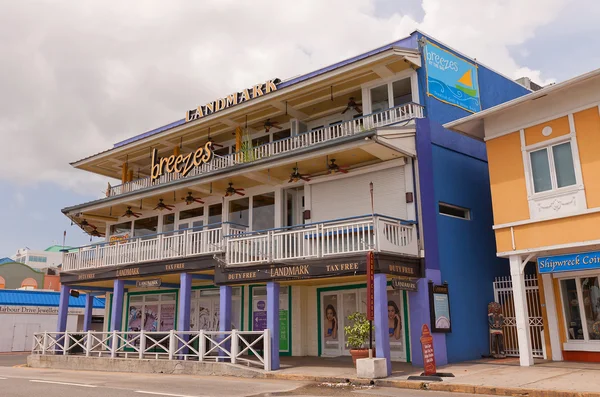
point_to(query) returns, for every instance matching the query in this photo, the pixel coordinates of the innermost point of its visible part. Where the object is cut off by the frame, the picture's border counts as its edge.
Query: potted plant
(358, 336)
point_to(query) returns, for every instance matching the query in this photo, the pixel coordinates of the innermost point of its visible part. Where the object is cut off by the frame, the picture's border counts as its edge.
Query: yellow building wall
(560, 127)
(587, 127)
(507, 179)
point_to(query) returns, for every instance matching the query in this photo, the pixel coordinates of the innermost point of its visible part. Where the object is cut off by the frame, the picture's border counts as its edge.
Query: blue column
(185, 301)
(382, 337)
(87, 316)
(117, 305)
(63, 308)
(225, 313)
(273, 321)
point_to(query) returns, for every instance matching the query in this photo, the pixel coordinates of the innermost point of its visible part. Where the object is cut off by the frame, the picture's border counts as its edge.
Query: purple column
(273, 321)
(382, 337)
(117, 305)
(419, 315)
(87, 316)
(185, 301)
(63, 308)
(225, 313)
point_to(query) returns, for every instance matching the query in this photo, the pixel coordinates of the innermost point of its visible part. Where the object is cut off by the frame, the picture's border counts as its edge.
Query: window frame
(405, 74)
(586, 337)
(552, 165)
(466, 210)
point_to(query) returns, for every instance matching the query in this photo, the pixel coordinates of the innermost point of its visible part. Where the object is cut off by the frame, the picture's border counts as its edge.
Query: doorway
(294, 206)
(337, 304)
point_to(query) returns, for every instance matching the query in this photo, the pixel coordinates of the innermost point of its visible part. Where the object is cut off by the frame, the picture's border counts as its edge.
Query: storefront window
(120, 228)
(215, 213)
(571, 304)
(263, 211)
(146, 226)
(151, 312)
(590, 293)
(259, 314)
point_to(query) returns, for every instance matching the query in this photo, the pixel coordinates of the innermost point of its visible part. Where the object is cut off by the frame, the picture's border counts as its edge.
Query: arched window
(2, 282)
(29, 283)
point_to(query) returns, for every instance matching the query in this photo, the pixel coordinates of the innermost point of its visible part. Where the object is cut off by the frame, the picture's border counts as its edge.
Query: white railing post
(137, 250)
(171, 344)
(142, 344)
(66, 343)
(234, 345)
(88, 344)
(113, 344)
(45, 342)
(376, 232)
(201, 346)
(267, 349)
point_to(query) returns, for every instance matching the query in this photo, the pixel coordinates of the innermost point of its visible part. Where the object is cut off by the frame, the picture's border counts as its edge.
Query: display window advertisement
(581, 308)
(258, 313)
(151, 312)
(336, 304)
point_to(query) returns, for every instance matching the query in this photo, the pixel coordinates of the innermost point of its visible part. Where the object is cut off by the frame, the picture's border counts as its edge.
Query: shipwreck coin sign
(427, 351)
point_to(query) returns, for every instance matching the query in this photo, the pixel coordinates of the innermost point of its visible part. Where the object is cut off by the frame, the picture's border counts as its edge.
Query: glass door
(349, 306)
(330, 328)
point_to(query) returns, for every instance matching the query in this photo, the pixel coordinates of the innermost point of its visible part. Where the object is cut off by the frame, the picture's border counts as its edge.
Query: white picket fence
(503, 294)
(236, 347)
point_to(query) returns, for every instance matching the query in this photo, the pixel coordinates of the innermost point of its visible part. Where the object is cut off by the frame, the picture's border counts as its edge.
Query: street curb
(435, 386)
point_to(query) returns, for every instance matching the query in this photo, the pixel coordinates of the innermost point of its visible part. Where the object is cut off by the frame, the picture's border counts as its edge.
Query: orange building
(544, 161)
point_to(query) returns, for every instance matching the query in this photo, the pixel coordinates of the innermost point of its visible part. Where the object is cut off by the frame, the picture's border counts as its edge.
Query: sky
(78, 76)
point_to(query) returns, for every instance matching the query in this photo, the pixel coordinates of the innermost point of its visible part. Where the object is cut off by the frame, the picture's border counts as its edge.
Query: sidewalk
(494, 377)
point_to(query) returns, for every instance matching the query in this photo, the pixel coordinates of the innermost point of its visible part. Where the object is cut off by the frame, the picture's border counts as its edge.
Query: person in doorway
(331, 324)
(394, 321)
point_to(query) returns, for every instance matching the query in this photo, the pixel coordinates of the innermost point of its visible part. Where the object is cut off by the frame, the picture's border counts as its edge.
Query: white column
(521, 312)
(551, 313)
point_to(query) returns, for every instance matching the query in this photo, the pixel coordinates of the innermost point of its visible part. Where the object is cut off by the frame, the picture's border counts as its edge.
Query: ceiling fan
(214, 144)
(230, 191)
(334, 168)
(189, 199)
(129, 213)
(295, 176)
(96, 233)
(84, 223)
(352, 105)
(162, 206)
(271, 124)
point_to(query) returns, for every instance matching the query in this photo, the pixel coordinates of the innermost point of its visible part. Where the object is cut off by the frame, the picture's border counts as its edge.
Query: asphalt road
(19, 381)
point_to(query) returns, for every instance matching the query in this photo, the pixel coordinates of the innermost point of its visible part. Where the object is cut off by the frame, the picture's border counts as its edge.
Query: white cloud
(79, 76)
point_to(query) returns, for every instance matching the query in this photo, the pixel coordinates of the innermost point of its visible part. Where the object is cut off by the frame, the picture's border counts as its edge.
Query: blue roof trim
(43, 298)
(407, 42)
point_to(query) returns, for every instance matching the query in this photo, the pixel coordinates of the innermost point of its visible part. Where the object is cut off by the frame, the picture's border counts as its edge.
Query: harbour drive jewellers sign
(231, 100)
(569, 262)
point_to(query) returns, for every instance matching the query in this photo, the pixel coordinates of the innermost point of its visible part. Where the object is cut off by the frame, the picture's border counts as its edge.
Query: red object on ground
(427, 350)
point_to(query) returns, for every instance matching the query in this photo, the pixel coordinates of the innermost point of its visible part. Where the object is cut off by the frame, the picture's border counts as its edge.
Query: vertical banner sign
(370, 286)
(451, 79)
(439, 306)
(427, 350)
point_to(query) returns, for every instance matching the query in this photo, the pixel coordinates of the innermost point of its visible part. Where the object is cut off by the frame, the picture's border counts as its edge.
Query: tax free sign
(569, 262)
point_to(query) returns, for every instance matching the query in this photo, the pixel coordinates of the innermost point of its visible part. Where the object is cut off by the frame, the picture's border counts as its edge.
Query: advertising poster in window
(451, 79)
(259, 318)
(167, 317)
(440, 308)
(394, 321)
(330, 323)
(150, 318)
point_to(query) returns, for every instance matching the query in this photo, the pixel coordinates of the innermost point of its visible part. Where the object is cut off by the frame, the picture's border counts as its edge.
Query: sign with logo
(370, 286)
(404, 284)
(46, 310)
(569, 262)
(117, 238)
(451, 79)
(151, 283)
(427, 351)
(180, 164)
(439, 306)
(231, 100)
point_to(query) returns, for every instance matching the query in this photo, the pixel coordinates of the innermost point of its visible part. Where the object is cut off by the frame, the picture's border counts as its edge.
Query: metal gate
(503, 294)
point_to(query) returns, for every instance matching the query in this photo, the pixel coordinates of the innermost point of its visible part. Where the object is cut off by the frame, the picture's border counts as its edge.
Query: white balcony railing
(176, 244)
(307, 139)
(236, 347)
(318, 240)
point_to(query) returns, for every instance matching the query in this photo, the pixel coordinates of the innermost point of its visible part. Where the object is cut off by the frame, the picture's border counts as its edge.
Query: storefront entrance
(338, 303)
(204, 312)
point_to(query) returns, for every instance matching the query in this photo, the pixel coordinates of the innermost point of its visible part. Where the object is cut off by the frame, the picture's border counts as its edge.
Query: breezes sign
(231, 100)
(569, 262)
(181, 164)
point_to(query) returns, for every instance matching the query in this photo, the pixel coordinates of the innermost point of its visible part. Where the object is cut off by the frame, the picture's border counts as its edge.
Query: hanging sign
(451, 79)
(439, 308)
(180, 164)
(427, 351)
(370, 286)
(403, 284)
(151, 283)
(231, 100)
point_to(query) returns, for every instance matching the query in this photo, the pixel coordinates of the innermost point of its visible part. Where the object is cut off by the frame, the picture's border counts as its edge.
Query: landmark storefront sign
(347, 266)
(231, 100)
(569, 262)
